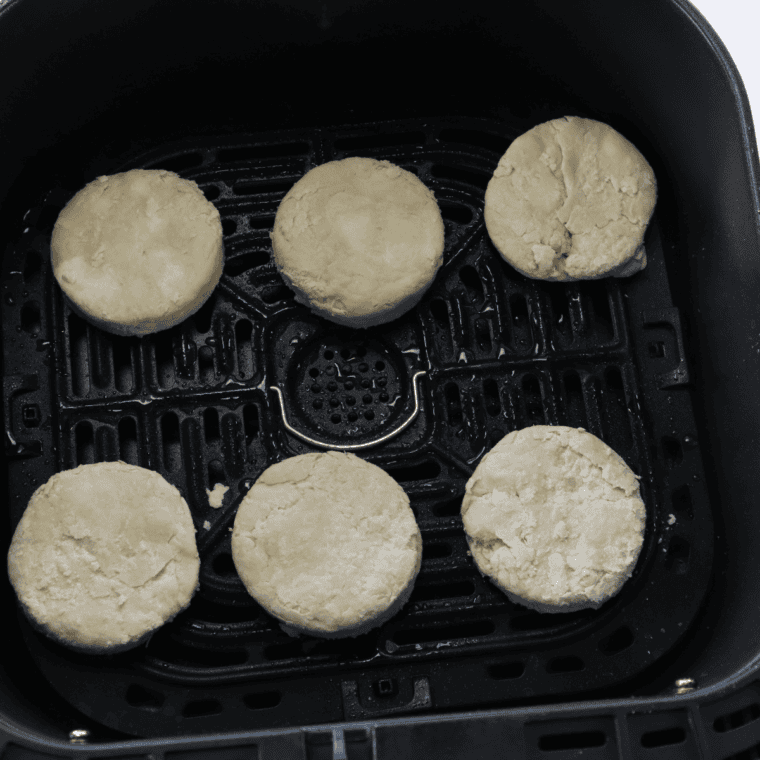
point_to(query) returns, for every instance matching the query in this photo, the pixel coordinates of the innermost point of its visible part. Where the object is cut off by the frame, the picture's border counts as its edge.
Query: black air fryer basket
(244, 99)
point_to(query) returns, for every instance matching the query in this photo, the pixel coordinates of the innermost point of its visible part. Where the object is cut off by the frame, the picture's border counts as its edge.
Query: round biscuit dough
(328, 544)
(104, 555)
(138, 252)
(359, 241)
(571, 200)
(554, 517)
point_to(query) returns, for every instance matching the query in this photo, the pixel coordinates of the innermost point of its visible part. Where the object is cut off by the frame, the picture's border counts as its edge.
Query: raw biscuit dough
(554, 517)
(328, 544)
(104, 555)
(571, 200)
(359, 241)
(216, 495)
(138, 252)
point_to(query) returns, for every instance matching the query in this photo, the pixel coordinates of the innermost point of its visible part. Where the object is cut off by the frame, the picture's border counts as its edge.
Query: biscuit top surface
(570, 199)
(552, 511)
(133, 246)
(358, 235)
(104, 553)
(326, 540)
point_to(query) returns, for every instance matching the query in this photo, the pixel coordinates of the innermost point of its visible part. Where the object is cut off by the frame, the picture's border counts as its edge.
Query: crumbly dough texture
(554, 517)
(103, 556)
(138, 252)
(359, 241)
(328, 544)
(571, 200)
(216, 495)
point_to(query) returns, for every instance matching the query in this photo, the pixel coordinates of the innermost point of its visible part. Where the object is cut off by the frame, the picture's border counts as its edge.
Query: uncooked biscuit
(359, 241)
(571, 200)
(138, 252)
(554, 517)
(328, 544)
(104, 555)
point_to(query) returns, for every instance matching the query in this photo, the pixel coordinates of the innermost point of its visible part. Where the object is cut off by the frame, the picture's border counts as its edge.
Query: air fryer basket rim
(690, 700)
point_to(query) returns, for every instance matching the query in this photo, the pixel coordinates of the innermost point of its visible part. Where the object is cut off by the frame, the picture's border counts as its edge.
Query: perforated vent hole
(244, 262)
(80, 365)
(440, 313)
(229, 227)
(31, 318)
(491, 396)
(215, 473)
(128, 443)
(442, 591)
(598, 295)
(224, 614)
(275, 293)
(449, 508)
(453, 404)
(32, 266)
(456, 213)
(436, 550)
(533, 401)
(212, 192)
(471, 280)
(423, 471)
(519, 308)
(206, 365)
(664, 737)
(85, 443)
(243, 341)
(170, 440)
(261, 222)
(250, 422)
(574, 403)
(737, 719)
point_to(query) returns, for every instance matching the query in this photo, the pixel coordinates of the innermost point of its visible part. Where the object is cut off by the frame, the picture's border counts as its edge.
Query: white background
(737, 23)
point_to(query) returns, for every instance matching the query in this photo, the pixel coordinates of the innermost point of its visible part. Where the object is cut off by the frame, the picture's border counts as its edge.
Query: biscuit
(138, 252)
(571, 200)
(328, 544)
(104, 555)
(554, 517)
(359, 241)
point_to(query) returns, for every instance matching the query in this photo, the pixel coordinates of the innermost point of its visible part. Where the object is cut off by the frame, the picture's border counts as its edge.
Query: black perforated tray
(500, 352)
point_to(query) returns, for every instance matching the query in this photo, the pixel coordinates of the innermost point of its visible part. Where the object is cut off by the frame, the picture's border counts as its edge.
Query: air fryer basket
(647, 363)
